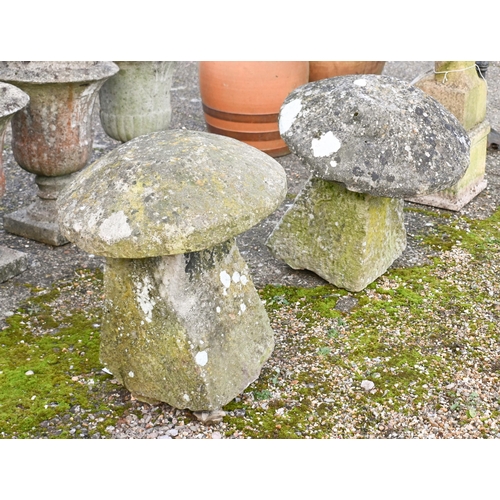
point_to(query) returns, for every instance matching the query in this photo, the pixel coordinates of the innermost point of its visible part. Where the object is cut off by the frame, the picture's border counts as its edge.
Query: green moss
(62, 353)
(393, 337)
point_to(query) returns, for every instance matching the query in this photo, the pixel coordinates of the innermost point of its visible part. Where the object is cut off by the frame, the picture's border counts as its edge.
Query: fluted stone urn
(183, 322)
(12, 100)
(52, 136)
(136, 101)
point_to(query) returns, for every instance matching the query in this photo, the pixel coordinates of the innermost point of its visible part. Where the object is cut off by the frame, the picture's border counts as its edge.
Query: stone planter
(136, 101)
(52, 136)
(12, 100)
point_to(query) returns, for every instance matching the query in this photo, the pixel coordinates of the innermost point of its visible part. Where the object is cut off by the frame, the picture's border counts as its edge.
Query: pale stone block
(459, 89)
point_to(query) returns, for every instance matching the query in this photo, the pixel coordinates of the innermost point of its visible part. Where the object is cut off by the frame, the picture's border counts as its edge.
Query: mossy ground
(49, 365)
(416, 333)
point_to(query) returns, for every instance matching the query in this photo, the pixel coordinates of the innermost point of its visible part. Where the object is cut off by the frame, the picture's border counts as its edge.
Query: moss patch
(49, 366)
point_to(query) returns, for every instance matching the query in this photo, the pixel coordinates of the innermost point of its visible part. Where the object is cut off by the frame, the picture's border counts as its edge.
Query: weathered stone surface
(39, 72)
(347, 238)
(12, 100)
(12, 263)
(189, 329)
(472, 182)
(375, 134)
(457, 86)
(170, 192)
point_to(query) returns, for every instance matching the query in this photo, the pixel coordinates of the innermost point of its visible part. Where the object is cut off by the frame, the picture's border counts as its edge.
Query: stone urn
(52, 136)
(12, 100)
(183, 322)
(136, 101)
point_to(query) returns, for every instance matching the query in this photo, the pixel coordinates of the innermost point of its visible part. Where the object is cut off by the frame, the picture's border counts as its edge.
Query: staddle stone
(183, 322)
(368, 141)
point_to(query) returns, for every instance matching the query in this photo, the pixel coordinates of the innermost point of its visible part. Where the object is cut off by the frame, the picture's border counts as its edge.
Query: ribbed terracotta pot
(52, 136)
(242, 99)
(319, 70)
(136, 101)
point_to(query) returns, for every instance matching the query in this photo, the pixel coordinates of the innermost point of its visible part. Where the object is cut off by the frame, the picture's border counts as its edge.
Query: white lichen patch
(236, 277)
(326, 145)
(131, 374)
(243, 280)
(225, 279)
(288, 114)
(243, 307)
(146, 303)
(360, 82)
(115, 228)
(217, 309)
(185, 397)
(201, 358)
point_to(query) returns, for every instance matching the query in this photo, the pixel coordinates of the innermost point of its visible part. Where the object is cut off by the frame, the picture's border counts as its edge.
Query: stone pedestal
(38, 221)
(349, 239)
(369, 141)
(457, 86)
(183, 322)
(187, 329)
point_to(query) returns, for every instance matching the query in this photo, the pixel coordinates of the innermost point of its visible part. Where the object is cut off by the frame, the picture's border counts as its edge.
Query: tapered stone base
(473, 181)
(347, 238)
(12, 263)
(189, 329)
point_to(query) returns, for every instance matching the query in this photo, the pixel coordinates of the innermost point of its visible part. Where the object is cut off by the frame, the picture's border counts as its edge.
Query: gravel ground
(344, 399)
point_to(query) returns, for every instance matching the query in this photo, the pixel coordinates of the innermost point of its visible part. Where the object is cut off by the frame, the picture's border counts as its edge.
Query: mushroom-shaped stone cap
(375, 134)
(39, 72)
(170, 192)
(12, 99)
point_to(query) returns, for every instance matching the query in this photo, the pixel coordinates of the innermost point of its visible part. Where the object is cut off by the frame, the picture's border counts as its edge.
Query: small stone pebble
(367, 385)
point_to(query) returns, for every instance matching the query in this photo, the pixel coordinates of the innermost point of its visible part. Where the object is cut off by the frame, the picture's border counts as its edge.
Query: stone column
(457, 86)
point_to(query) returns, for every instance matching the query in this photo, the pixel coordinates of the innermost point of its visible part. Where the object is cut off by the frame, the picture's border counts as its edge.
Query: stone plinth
(12, 100)
(183, 323)
(12, 263)
(457, 86)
